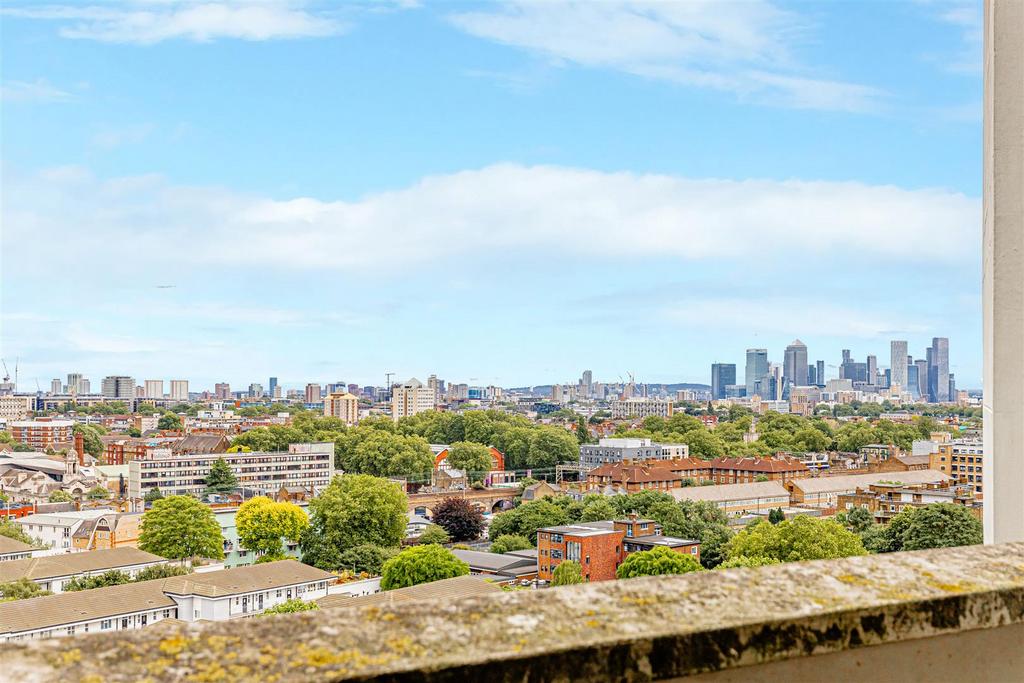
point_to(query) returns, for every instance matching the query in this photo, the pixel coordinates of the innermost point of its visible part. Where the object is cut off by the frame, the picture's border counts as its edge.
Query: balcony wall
(945, 614)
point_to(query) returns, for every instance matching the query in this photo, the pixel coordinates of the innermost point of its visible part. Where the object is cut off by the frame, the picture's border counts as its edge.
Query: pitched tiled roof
(759, 464)
(245, 579)
(444, 590)
(68, 608)
(71, 564)
(724, 493)
(849, 482)
(12, 545)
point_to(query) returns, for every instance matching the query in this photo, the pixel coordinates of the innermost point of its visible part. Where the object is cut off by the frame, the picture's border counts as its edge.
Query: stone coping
(636, 630)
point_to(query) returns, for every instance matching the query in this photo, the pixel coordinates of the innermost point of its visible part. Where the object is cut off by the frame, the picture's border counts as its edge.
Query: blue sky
(500, 193)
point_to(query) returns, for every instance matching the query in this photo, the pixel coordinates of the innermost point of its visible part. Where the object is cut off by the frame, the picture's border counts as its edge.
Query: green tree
(262, 524)
(13, 530)
(656, 561)
(153, 495)
(527, 518)
(161, 571)
(859, 520)
(567, 573)
(472, 458)
(169, 421)
(108, 578)
(21, 589)
(90, 439)
(133, 432)
(221, 479)
(800, 538)
(748, 561)
(61, 497)
(582, 433)
(776, 515)
(939, 525)
(366, 558)
(434, 534)
(421, 564)
(510, 542)
(98, 493)
(180, 527)
(597, 509)
(550, 446)
(289, 606)
(353, 510)
(459, 518)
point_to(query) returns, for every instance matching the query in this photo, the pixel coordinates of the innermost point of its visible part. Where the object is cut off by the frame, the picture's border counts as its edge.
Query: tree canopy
(221, 479)
(421, 564)
(472, 458)
(353, 510)
(289, 606)
(939, 525)
(262, 523)
(507, 543)
(434, 534)
(656, 561)
(800, 538)
(179, 527)
(169, 421)
(16, 531)
(459, 518)
(366, 558)
(567, 573)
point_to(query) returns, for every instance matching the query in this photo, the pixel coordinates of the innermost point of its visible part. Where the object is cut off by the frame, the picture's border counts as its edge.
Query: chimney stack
(80, 448)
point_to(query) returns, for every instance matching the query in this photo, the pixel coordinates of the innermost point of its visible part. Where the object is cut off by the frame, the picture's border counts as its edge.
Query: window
(105, 625)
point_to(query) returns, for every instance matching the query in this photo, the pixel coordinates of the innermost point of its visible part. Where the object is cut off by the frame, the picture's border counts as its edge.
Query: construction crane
(7, 373)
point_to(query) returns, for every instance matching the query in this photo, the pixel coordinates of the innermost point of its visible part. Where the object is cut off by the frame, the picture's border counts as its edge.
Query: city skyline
(281, 193)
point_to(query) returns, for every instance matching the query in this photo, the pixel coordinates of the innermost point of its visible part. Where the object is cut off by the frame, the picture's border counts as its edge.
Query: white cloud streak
(145, 23)
(737, 47)
(33, 91)
(495, 211)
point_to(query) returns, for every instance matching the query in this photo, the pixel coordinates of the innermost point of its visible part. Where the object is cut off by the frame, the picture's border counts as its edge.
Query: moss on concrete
(638, 630)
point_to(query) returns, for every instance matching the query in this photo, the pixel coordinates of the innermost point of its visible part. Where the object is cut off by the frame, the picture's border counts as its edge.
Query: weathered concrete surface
(639, 630)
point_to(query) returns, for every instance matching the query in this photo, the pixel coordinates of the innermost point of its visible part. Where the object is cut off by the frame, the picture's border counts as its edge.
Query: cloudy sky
(503, 193)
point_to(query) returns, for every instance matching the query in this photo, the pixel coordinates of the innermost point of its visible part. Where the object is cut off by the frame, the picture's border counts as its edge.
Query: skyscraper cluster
(927, 379)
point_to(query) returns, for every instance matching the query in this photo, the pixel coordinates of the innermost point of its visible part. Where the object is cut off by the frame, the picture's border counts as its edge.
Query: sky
(496, 193)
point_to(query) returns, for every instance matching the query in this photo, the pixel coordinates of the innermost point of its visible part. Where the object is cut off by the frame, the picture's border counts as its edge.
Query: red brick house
(746, 470)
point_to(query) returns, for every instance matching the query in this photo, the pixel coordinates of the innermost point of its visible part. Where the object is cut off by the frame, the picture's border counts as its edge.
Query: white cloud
(111, 138)
(966, 15)
(35, 91)
(738, 47)
(497, 210)
(147, 22)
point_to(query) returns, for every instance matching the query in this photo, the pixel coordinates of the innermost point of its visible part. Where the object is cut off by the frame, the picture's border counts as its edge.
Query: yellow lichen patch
(158, 665)
(69, 657)
(853, 579)
(173, 645)
(406, 647)
(321, 656)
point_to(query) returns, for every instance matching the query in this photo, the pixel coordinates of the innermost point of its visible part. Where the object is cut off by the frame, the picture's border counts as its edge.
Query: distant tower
(898, 364)
(756, 369)
(794, 372)
(722, 375)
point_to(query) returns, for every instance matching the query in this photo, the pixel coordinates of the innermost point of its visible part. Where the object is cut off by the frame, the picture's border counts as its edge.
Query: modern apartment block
(14, 407)
(119, 387)
(411, 397)
(153, 388)
(641, 408)
(343, 406)
(309, 466)
(961, 459)
(42, 433)
(898, 365)
(179, 389)
(615, 450)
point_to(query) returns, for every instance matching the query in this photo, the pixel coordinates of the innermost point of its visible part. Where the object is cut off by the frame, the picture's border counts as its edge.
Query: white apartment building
(343, 406)
(154, 388)
(210, 596)
(179, 389)
(305, 465)
(410, 398)
(54, 572)
(641, 407)
(56, 529)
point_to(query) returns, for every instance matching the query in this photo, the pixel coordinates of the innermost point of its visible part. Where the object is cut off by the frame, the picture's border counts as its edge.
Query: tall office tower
(353, 389)
(179, 389)
(272, 387)
(313, 393)
(587, 382)
(85, 386)
(55, 386)
(938, 370)
(75, 383)
(255, 390)
(812, 375)
(756, 369)
(411, 397)
(222, 390)
(772, 385)
(722, 375)
(119, 386)
(913, 381)
(872, 370)
(898, 364)
(154, 388)
(795, 364)
(922, 378)
(820, 372)
(436, 387)
(952, 387)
